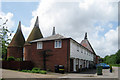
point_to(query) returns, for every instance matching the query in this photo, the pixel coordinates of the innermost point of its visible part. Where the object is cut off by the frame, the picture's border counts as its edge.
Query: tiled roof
(86, 44)
(18, 39)
(36, 32)
(53, 37)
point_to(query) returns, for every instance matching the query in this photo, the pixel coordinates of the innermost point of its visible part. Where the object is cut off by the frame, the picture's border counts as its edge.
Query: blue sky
(71, 19)
(22, 11)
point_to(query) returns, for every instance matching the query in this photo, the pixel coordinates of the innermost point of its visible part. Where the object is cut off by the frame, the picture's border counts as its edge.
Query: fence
(17, 65)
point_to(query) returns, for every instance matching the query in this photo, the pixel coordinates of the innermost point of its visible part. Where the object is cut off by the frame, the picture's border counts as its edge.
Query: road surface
(87, 74)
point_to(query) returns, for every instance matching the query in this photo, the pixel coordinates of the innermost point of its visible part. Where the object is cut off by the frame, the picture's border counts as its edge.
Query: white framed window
(81, 50)
(39, 45)
(86, 52)
(78, 48)
(58, 44)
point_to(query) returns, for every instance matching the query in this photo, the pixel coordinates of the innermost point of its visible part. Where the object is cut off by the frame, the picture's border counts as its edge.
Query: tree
(45, 55)
(118, 57)
(112, 59)
(4, 38)
(106, 58)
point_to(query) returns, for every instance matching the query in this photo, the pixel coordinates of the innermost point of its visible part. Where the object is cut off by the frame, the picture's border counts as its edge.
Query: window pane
(58, 44)
(39, 45)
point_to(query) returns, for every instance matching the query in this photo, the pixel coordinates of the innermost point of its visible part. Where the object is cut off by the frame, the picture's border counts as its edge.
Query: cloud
(26, 31)
(107, 44)
(8, 19)
(110, 25)
(73, 19)
(9, 16)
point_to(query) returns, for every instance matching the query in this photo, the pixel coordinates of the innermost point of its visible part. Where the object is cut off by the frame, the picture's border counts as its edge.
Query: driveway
(86, 74)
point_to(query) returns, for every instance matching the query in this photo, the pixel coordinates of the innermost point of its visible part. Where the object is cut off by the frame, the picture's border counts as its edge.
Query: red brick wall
(59, 55)
(27, 52)
(97, 59)
(16, 52)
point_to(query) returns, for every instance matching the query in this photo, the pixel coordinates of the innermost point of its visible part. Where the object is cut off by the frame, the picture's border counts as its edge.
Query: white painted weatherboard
(74, 53)
(79, 52)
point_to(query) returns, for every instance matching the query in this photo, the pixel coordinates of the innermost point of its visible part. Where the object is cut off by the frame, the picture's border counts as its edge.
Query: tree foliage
(112, 59)
(118, 57)
(4, 39)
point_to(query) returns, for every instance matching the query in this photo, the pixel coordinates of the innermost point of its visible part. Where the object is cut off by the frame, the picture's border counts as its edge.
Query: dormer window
(58, 44)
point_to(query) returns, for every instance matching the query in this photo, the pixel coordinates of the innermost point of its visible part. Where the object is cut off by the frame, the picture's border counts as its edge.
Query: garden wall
(17, 65)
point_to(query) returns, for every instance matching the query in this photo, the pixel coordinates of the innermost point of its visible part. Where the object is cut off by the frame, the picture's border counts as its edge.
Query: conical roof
(36, 33)
(87, 44)
(18, 40)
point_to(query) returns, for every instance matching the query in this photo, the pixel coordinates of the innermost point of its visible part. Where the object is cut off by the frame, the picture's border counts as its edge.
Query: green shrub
(43, 72)
(29, 71)
(11, 58)
(24, 71)
(36, 68)
(35, 71)
(18, 59)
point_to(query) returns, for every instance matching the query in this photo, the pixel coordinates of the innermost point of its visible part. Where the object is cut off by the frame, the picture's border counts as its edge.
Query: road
(87, 74)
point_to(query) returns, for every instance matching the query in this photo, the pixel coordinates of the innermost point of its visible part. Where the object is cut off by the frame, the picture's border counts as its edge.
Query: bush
(18, 59)
(29, 71)
(35, 70)
(43, 72)
(11, 58)
(24, 70)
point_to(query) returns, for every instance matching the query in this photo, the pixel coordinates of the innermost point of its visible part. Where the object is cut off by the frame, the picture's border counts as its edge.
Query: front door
(71, 65)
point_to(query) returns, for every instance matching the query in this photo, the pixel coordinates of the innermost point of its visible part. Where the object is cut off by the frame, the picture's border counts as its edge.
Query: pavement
(86, 74)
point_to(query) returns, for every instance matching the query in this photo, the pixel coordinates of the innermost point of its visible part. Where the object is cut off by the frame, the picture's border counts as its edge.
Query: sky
(71, 18)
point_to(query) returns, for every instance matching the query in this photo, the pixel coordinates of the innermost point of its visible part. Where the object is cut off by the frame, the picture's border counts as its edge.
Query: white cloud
(73, 19)
(26, 31)
(107, 44)
(9, 16)
(110, 25)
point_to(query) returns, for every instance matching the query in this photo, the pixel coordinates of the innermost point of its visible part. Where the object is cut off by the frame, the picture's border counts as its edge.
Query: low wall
(17, 65)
